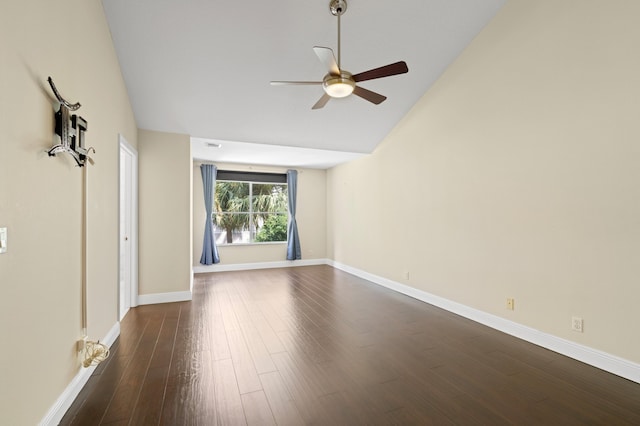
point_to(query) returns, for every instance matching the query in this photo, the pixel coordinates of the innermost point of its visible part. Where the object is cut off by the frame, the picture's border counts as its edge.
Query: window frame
(251, 178)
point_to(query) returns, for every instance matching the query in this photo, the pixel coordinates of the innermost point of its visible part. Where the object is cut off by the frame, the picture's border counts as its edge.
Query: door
(128, 287)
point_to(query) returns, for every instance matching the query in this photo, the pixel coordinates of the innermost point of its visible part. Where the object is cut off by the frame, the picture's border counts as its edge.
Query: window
(250, 208)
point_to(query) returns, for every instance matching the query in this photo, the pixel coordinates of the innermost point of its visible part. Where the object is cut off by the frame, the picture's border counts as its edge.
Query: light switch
(3, 240)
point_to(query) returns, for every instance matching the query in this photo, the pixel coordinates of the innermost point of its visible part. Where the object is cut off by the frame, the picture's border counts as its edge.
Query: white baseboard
(64, 401)
(203, 269)
(602, 360)
(154, 298)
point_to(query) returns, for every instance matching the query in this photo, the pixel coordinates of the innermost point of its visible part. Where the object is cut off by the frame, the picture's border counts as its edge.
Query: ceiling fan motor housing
(339, 86)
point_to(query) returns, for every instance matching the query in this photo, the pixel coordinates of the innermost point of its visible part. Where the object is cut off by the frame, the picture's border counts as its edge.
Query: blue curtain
(209, 249)
(293, 240)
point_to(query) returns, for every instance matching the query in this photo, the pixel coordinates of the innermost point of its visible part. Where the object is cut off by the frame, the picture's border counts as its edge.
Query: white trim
(64, 401)
(605, 361)
(154, 298)
(203, 269)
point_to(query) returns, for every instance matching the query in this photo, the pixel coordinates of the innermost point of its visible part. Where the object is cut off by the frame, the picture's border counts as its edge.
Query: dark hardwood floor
(315, 345)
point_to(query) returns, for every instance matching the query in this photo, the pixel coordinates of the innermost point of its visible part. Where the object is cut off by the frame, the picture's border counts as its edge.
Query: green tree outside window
(248, 212)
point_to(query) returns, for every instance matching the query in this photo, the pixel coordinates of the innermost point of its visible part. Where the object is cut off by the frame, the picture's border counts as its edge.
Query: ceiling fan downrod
(338, 8)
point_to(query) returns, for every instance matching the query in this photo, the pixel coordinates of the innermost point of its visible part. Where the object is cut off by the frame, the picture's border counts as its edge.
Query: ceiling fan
(340, 83)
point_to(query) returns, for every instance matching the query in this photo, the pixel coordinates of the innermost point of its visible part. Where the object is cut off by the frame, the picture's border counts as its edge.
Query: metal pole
(339, 66)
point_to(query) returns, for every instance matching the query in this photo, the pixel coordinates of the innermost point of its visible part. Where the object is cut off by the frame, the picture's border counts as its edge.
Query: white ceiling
(203, 67)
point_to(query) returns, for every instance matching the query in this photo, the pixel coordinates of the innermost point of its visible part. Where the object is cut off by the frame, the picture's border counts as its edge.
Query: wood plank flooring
(317, 346)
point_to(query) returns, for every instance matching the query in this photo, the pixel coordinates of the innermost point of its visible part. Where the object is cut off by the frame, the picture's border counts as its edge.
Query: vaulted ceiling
(203, 67)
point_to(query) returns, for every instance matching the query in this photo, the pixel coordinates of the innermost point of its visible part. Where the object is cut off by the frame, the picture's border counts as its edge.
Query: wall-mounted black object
(71, 129)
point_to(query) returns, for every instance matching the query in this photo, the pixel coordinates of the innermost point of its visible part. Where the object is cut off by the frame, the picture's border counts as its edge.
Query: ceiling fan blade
(385, 71)
(321, 102)
(370, 96)
(327, 57)
(294, 83)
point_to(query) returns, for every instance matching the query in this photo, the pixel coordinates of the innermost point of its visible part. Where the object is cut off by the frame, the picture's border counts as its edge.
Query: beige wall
(310, 216)
(515, 176)
(41, 197)
(164, 212)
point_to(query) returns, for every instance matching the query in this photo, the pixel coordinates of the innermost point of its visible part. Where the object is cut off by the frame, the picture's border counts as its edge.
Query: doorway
(128, 243)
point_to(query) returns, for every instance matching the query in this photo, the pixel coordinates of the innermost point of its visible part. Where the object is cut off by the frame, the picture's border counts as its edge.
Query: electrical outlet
(577, 324)
(406, 275)
(510, 304)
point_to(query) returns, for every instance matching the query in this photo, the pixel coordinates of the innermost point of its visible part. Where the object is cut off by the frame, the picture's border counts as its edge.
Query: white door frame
(127, 149)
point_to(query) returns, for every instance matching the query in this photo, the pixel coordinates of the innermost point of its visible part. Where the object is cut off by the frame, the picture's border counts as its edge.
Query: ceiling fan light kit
(339, 86)
(339, 83)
